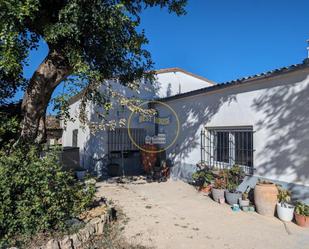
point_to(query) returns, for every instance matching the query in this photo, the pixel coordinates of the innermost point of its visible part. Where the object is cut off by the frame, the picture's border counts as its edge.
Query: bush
(9, 130)
(36, 195)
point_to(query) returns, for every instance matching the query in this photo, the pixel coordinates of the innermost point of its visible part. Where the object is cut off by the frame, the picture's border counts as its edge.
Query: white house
(108, 145)
(260, 122)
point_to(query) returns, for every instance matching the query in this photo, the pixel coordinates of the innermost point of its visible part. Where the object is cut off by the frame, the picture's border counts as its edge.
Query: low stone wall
(94, 227)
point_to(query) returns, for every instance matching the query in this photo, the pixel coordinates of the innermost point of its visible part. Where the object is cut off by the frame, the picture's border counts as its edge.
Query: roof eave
(241, 81)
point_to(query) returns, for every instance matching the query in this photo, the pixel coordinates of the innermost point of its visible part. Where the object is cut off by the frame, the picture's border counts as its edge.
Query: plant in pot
(203, 179)
(219, 187)
(302, 214)
(244, 200)
(234, 177)
(265, 198)
(285, 210)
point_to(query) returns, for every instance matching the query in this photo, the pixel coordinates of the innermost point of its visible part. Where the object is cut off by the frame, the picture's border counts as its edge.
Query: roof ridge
(178, 69)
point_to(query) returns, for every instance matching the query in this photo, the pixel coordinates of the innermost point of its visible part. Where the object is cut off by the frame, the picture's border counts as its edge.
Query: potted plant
(206, 188)
(265, 198)
(302, 214)
(219, 187)
(244, 201)
(80, 173)
(285, 210)
(203, 179)
(234, 177)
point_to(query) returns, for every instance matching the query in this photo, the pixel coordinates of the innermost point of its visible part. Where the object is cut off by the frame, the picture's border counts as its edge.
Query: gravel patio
(174, 215)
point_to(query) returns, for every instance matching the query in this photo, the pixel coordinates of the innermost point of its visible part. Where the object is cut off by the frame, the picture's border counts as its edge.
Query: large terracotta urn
(149, 158)
(265, 198)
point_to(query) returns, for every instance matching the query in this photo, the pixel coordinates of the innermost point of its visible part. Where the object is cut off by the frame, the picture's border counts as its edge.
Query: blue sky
(226, 39)
(223, 39)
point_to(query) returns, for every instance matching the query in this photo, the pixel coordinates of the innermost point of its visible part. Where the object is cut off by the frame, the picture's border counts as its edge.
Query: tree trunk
(45, 79)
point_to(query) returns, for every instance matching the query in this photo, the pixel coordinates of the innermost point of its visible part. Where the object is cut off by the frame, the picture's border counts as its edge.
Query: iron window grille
(223, 147)
(119, 140)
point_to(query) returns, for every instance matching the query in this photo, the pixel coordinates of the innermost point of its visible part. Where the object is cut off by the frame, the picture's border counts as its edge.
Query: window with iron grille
(222, 147)
(119, 140)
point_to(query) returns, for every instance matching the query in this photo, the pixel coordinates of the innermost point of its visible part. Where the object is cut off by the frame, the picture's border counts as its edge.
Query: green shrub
(36, 195)
(9, 129)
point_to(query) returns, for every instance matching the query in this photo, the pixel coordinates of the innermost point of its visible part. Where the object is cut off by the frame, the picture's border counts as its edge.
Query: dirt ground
(174, 215)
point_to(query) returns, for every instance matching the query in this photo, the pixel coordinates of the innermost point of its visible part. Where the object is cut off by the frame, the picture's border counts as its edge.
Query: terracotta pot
(302, 220)
(206, 189)
(265, 198)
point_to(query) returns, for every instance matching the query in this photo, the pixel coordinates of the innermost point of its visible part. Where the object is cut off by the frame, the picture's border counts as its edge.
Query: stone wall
(94, 227)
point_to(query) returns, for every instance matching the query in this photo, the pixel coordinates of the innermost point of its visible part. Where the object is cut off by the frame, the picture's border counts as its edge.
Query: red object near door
(149, 158)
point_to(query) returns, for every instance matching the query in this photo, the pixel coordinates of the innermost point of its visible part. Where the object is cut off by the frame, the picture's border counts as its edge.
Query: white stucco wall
(94, 146)
(83, 132)
(172, 83)
(276, 107)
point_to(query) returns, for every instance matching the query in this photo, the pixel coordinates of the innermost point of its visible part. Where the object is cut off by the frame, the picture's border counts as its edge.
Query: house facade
(116, 146)
(259, 122)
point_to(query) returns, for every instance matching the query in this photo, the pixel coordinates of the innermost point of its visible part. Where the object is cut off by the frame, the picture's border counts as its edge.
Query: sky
(223, 40)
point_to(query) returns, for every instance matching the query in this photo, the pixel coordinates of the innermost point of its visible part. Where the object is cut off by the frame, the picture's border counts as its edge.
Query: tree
(88, 40)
